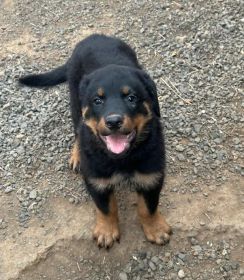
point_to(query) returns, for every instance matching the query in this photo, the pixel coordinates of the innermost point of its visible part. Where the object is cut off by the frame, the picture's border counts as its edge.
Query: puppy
(118, 136)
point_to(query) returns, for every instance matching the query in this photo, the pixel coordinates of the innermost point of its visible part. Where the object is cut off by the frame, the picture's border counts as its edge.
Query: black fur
(101, 61)
(52, 78)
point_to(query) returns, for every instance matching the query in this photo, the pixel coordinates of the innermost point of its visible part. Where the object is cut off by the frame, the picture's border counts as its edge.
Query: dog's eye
(132, 98)
(97, 101)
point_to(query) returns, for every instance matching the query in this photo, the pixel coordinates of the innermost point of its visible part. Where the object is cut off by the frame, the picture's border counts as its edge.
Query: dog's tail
(52, 78)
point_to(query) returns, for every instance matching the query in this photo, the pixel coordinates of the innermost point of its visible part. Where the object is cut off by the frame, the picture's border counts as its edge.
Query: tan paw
(156, 229)
(74, 161)
(106, 233)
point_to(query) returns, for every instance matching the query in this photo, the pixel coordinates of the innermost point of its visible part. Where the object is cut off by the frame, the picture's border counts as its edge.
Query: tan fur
(149, 112)
(103, 183)
(139, 121)
(106, 230)
(101, 125)
(146, 180)
(84, 112)
(74, 161)
(125, 90)
(155, 227)
(92, 123)
(100, 92)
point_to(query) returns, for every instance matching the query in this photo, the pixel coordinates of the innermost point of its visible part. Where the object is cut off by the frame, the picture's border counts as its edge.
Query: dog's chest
(136, 179)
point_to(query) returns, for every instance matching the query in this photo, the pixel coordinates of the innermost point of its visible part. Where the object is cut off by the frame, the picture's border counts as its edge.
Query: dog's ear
(152, 91)
(83, 87)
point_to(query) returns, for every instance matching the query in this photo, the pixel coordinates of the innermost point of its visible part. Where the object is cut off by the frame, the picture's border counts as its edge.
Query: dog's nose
(114, 121)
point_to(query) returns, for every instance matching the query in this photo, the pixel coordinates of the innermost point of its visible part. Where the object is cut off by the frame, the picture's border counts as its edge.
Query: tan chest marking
(103, 183)
(146, 181)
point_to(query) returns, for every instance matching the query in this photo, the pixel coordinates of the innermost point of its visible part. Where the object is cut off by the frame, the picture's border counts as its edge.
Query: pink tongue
(116, 143)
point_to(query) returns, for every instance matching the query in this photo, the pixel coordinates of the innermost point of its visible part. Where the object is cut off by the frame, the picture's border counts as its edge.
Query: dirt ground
(52, 248)
(57, 244)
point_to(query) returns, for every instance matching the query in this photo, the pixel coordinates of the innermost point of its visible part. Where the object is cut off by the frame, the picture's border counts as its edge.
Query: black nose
(114, 121)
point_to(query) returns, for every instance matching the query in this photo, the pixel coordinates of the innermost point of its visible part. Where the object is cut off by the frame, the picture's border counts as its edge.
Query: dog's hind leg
(75, 160)
(74, 77)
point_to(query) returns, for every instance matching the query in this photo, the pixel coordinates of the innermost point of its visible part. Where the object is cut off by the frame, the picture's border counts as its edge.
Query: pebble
(152, 266)
(218, 261)
(241, 271)
(71, 200)
(182, 256)
(123, 276)
(197, 127)
(180, 148)
(33, 194)
(181, 274)
(9, 189)
(155, 259)
(181, 157)
(193, 241)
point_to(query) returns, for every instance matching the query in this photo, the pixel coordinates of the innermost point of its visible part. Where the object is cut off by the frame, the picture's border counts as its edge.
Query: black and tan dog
(118, 137)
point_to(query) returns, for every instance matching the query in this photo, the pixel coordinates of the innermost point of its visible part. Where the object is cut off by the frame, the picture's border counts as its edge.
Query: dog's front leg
(153, 222)
(106, 230)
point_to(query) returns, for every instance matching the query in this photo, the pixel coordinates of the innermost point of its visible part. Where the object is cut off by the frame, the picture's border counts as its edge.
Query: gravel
(181, 274)
(194, 52)
(187, 265)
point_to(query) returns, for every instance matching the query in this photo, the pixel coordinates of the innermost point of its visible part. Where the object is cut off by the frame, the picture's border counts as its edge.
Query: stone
(181, 274)
(123, 276)
(33, 194)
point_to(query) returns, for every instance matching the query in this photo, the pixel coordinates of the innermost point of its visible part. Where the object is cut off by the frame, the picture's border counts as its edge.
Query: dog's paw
(156, 229)
(106, 233)
(75, 161)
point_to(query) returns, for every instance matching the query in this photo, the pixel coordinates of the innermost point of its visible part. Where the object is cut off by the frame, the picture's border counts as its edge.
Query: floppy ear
(152, 91)
(82, 87)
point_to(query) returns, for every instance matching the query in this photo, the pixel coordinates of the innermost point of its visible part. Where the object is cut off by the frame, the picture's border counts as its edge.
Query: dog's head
(118, 103)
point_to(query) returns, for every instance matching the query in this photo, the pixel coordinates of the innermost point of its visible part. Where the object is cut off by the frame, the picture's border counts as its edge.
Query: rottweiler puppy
(118, 136)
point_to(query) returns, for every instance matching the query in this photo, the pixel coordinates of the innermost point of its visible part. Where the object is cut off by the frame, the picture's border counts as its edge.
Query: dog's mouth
(118, 143)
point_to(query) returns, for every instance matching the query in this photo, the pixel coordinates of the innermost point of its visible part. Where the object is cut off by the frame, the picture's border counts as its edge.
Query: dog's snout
(114, 121)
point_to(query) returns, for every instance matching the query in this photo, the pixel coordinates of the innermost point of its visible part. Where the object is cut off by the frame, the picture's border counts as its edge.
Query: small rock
(167, 254)
(182, 256)
(33, 194)
(193, 241)
(172, 276)
(236, 140)
(9, 189)
(71, 200)
(218, 261)
(123, 276)
(197, 127)
(241, 271)
(179, 148)
(155, 259)
(197, 250)
(181, 157)
(152, 266)
(181, 274)
(192, 233)
(224, 252)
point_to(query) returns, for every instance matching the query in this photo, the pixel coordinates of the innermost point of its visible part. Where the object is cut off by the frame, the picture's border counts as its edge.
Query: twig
(207, 216)
(78, 266)
(175, 90)
(76, 195)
